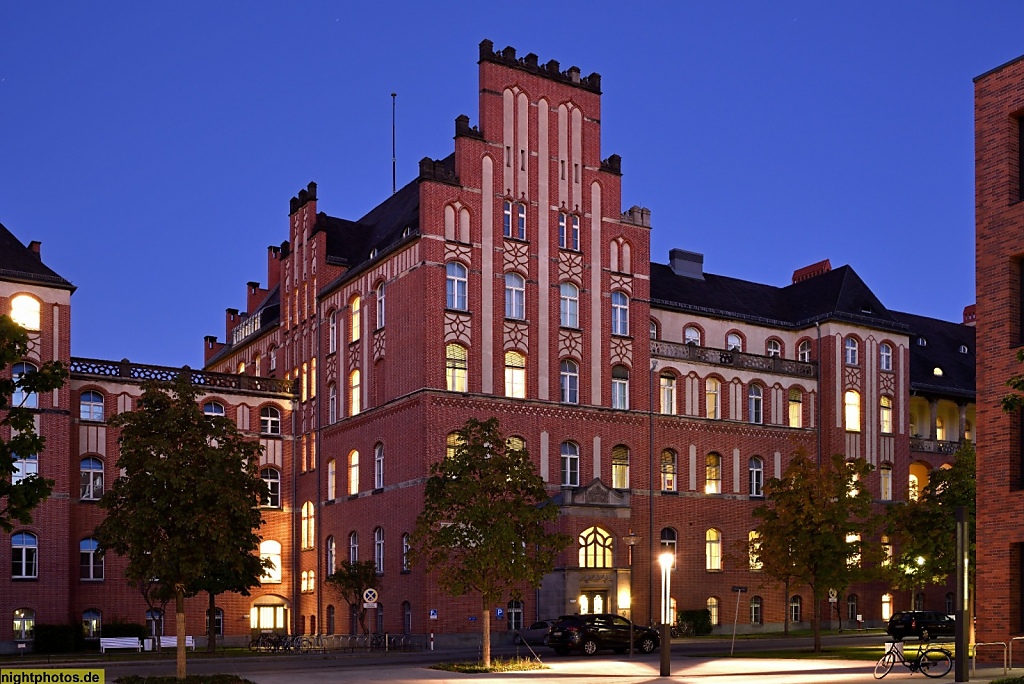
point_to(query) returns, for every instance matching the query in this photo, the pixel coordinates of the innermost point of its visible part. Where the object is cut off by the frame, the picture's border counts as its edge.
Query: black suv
(590, 633)
(920, 623)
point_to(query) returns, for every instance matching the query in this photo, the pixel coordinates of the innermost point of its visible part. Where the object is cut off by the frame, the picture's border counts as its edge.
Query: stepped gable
(943, 341)
(22, 264)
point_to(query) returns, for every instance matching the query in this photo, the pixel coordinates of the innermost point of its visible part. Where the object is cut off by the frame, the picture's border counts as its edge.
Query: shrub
(697, 622)
(57, 638)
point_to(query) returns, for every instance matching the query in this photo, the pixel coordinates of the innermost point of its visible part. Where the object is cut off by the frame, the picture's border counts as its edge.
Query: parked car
(920, 623)
(591, 633)
(537, 633)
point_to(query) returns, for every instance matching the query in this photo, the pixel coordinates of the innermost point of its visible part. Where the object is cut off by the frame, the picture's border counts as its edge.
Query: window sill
(405, 572)
(353, 496)
(513, 238)
(669, 492)
(572, 328)
(571, 250)
(511, 319)
(378, 490)
(464, 312)
(25, 579)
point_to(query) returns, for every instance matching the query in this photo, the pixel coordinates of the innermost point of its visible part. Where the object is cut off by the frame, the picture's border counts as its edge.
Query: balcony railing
(126, 370)
(722, 357)
(934, 446)
(246, 328)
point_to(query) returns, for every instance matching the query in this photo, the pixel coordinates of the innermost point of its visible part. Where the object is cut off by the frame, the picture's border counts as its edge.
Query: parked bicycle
(932, 661)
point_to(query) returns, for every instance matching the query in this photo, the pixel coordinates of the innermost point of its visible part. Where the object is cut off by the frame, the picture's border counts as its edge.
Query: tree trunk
(179, 627)
(785, 603)
(487, 632)
(817, 622)
(211, 617)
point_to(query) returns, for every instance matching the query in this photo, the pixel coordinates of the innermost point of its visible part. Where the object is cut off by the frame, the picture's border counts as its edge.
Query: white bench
(119, 642)
(172, 642)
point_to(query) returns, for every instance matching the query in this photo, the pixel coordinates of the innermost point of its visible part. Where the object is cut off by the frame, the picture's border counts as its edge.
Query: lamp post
(650, 496)
(631, 540)
(665, 560)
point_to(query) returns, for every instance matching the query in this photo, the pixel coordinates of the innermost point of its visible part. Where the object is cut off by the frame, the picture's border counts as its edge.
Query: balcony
(139, 372)
(933, 446)
(720, 357)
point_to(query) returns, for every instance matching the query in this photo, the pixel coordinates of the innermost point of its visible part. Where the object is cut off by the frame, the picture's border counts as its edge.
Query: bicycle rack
(1020, 638)
(974, 655)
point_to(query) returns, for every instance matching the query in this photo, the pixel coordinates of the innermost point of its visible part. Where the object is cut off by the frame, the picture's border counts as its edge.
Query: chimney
(253, 295)
(34, 246)
(273, 267)
(687, 264)
(970, 315)
(210, 347)
(808, 272)
(231, 319)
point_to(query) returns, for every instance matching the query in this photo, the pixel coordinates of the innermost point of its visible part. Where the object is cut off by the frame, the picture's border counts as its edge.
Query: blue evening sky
(153, 146)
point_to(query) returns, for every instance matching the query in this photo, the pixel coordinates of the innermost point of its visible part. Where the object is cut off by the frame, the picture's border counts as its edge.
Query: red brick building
(505, 280)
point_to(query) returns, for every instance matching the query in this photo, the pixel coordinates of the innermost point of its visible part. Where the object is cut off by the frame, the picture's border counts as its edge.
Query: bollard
(431, 641)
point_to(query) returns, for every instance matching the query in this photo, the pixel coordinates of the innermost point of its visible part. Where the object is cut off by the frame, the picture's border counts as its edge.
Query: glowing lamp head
(666, 560)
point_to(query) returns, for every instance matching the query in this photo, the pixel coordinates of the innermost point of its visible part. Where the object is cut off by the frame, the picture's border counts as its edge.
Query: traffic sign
(833, 596)
(370, 595)
(739, 589)
(370, 605)
(433, 613)
(499, 613)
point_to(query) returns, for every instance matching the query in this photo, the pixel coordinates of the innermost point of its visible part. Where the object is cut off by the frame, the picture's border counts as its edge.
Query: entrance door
(594, 601)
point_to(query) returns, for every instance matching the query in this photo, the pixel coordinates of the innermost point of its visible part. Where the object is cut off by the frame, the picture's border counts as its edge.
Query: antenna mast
(393, 185)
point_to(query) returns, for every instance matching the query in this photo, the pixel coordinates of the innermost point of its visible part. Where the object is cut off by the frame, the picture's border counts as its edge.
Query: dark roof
(943, 341)
(838, 294)
(20, 264)
(270, 317)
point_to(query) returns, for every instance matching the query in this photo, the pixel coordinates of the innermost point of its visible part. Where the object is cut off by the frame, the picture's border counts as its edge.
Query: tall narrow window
(90, 560)
(853, 555)
(756, 615)
(21, 396)
(852, 351)
(712, 605)
(355, 400)
(796, 609)
(353, 547)
(515, 296)
(712, 390)
(378, 466)
(885, 482)
(754, 551)
(24, 467)
(569, 298)
(940, 429)
(713, 550)
(91, 406)
(520, 221)
(92, 621)
(380, 306)
(796, 408)
(569, 381)
(803, 351)
(851, 404)
(91, 479)
(355, 325)
(691, 335)
(885, 357)
(456, 367)
(24, 624)
(25, 312)
(595, 548)
(378, 550)
(851, 608)
(713, 474)
(332, 332)
(668, 470)
(773, 348)
(886, 606)
(620, 314)
(755, 400)
(885, 415)
(457, 286)
(515, 375)
(332, 404)
(406, 548)
(308, 525)
(332, 479)
(273, 479)
(563, 227)
(570, 464)
(24, 555)
(756, 468)
(620, 467)
(668, 394)
(506, 215)
(353, 472)
(620, 387)
(733, 342)
(330, 555)
(270, 421)
(574, 233)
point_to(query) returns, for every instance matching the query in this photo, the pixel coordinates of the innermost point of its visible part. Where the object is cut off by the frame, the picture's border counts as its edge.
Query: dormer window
(406, 231)
(937, 372)
(921, 342)
(373, 253)
(963, 349)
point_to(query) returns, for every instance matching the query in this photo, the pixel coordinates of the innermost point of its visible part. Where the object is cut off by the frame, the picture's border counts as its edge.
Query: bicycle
(931, 661)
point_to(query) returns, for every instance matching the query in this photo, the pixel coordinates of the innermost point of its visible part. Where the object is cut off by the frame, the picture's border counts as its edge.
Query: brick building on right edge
(999, 216)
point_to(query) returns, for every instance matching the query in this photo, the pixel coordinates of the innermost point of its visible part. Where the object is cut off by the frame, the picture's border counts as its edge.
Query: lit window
(25, 467)
(24, 624)
(273, 479)
(796, 609)
(886, 606)
(273, 358)
(885, 357)
(595, 548)
(691, 335)
(378, 550)
(853, 558)
(712, 389)
(406, 548)
(90, 560)
(940, 429)
(353, 547)
(354, 324)
(569, 381)
(332, 404)
(620, 387)
(271, 550)
(713, 550)
(852, 349)
(774, 348)
(754, 551)
(91, 406)
(796, 408)
(733, 342)
(25, 312)
(712, 605)
(332, 332)
(22, 397)
(755, 402)
(353, 472)
(452, 444)
(92, 622)
(620, 467)
(713, 474)
(803, 352)
(380, 305)
(851, 403)
(668, 394)
(515, 296)
(270, 421)
(756, 616)
(620, 314)
(91, 479)
(457, 285)
(354, 393)
(885, 415)
(885, 482)
(378, 466)
(886, 551)
(570, 464)
(332, 479)
(569, 297)
(668, 470)
(756, 467)
(24, 555)
(515, 375)
(456, 368)
(308, 525)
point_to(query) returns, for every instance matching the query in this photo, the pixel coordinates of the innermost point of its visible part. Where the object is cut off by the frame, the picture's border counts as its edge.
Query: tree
(17, 499)
(351, 580)
(812, 528)
(483, 527)
(185, 508)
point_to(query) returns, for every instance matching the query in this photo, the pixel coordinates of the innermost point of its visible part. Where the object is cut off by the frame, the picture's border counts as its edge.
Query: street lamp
(665, 560)
(631, 540)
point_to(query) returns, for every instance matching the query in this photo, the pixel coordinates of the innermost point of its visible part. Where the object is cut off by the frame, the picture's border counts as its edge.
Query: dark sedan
(590, 633)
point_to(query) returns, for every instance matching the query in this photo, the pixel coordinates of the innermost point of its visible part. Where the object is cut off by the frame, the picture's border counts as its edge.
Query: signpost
(370, 598)
(739, 592)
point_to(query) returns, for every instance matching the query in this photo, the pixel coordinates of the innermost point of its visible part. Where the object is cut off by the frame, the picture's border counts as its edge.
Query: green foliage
(806, 525)
(699, 621)
(497, 665)
(185, 509)
(57, 638)
(123, 629)
(483, 528)
(925, 530)
(18, 500)
(351, 580)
